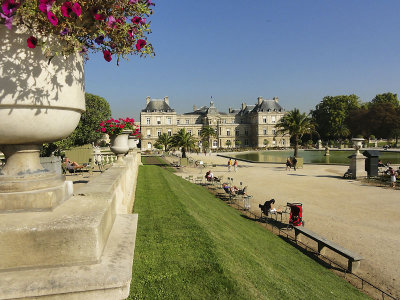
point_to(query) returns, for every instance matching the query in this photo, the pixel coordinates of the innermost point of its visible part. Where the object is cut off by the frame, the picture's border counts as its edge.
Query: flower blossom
(77, 9)
(66, 9)
(31, 42)
(140, 44)
(112, 23)
(136, 20)
(52, 18)
(143, 21)
(45, 5)
(9, 7)
(107, 57)
(7, 21)
(65, 31)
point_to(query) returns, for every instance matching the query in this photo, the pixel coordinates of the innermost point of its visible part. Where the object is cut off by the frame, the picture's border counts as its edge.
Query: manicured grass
(191, 245)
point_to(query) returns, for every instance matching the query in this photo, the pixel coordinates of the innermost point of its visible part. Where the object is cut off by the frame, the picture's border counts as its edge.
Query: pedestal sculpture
(357, 160)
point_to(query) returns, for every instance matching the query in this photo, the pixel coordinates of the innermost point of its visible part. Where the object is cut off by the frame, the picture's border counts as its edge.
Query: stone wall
(83, 249)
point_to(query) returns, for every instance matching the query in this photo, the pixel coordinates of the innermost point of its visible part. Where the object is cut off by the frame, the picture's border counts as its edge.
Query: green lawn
(191, 245)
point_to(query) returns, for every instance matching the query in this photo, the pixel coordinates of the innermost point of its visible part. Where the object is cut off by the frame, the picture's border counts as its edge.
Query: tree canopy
(164, 140)
(296, 124)
(206, 133)
(332, 113)
(183, 140)
(97, 109)
(385, 98)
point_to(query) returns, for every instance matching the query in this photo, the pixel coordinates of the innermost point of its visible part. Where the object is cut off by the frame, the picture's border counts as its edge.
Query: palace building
(249, 126)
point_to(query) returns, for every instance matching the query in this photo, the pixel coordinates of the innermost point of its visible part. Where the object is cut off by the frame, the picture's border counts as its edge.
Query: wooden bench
(353, 258)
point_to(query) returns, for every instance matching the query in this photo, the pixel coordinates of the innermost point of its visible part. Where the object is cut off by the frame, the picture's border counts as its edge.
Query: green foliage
(238, 143)
(206, 134)
(228, 143)
(385, 98)
(183, 140)
(97, 109)
(331, 115)
(190, 245)
(164, 140)
(295, 124)
(265, 142)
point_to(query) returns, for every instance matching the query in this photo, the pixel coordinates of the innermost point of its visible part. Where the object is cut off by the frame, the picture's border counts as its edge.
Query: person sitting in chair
(72, 165)
(268, 207)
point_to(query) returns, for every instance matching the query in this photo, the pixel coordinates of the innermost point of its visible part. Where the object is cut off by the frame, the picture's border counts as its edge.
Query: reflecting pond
(314, 156)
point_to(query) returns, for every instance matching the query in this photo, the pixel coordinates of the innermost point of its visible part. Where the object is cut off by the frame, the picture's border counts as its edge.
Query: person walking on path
(294, 162)
(235, 165)
(392, 174)
(288, 164)
(229, 165)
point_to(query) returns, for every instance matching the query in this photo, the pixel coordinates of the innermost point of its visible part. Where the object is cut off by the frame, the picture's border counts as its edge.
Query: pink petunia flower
(99, 17)
(112, 23)
(133, 1)
(140, 44)
(45, 5)
(143, 21)
(136, 20)
(66, 9)
(7, 21)
(31, 42)
(77, 9)
(9, 7)
(107, 56)
(103, 130)
(52, 18)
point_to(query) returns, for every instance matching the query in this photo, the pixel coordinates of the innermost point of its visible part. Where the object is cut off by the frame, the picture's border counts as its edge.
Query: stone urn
(40, 102)
(132, 142)
(119, 144)
(357, 142)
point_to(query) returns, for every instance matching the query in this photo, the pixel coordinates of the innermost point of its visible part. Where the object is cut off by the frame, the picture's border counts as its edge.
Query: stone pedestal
(357, 166)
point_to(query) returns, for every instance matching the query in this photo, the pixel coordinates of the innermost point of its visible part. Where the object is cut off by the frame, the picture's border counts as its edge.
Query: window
(169, 132)
(158, 132)
(228, 132)
(178, 122)
(148, 133)
(148, 121)
(148, 145)
(190, 131)
(237, 132)
(264, 119)
(265, 131)
(273, 131)
(246, 142)
(274, 143)
(215, 144)
(187, 121)
(158, 120)
(199, 132)
(273, 119)
(246, 132)
(169, 121)
(283, 142)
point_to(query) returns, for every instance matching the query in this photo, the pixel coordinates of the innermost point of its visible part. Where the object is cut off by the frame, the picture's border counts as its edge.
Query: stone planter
(357, 142)
(132, 143)
(39, 102)
(119, 144)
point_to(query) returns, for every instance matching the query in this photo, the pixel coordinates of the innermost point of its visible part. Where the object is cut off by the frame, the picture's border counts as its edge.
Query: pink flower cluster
(113, 28)
(116, 126)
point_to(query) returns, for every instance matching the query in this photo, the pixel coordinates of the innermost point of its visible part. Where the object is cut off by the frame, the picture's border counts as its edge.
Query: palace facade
(249, 126)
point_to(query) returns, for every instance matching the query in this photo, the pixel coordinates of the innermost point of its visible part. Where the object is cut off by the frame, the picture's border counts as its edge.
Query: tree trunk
(183, 152)
(296, 145)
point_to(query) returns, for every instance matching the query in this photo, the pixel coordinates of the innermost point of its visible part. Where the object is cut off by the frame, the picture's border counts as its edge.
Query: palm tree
(164, 140)
(296, 124)
(206, 133)
(184, 140)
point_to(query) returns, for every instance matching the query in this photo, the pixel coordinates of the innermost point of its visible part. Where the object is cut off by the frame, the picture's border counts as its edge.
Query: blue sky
(235, 51)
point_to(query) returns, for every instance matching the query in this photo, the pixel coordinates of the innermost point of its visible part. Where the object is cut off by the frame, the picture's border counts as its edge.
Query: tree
(386, 98)
(184, 140)
(97, 110)
(265, 142)
(296, 124)
(228, 143)
(331, 115)
(238, 143)
(164, 140)
(206, 133)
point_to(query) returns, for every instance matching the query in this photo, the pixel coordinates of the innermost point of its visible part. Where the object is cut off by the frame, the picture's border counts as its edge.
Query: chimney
(243, 106)
(147, 100)
(260, 100)
(276, 99)
(166, 100)
(194, 108)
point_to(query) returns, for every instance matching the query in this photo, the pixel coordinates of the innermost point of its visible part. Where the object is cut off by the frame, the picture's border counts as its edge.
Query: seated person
(268, 207)
(207, 175)
(71, 165)
(380, 163)
(242, 191)
(226, 188)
